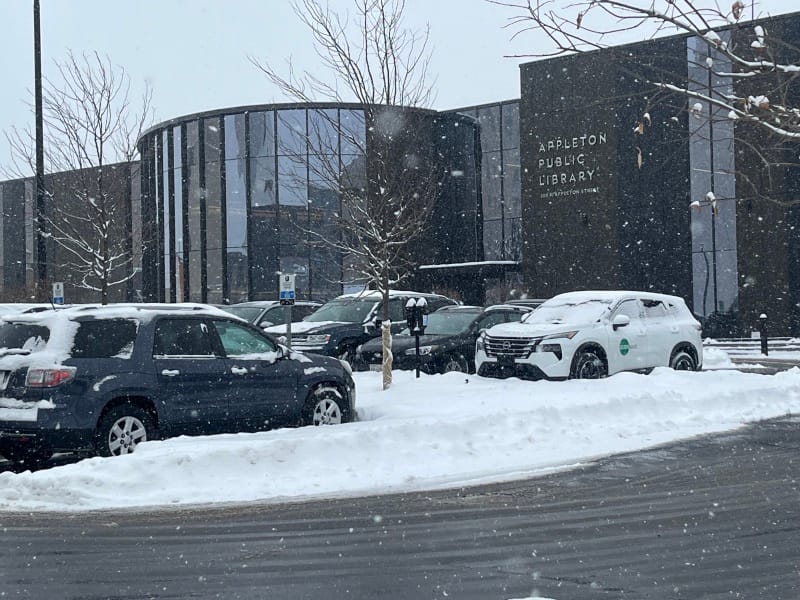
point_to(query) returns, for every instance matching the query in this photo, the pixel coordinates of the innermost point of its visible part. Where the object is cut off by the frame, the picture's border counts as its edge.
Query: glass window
(491, 320)
(323, 131)
(512, 183)
(354, 172)
(353, 132)
(23, 335)
(292, 131)
(235, 203)
(192, 143)
(182, 338)
(510, 125)
(397, 310)
(489, 119)
(629, 308)
(236, 221)
(654, 309)
(212, 139)
(214, 245)
(194, 237)
(238, 340)
(106, 338)
(491, 174)
(262, 181)
(293, 181)
(234, 136)
(262, 134)
(178, 209)
(324, 167)
(493, 239)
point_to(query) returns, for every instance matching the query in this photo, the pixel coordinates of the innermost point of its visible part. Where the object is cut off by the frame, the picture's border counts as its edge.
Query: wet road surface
(710, 518)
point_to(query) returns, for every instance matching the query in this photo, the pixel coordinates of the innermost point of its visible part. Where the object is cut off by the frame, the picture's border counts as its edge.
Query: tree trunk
(386, 336)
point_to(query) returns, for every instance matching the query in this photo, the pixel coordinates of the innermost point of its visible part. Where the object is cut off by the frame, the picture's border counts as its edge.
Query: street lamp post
(41, 240)
(710, 200)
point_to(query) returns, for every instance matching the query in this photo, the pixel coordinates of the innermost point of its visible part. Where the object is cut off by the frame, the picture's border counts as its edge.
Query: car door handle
(170, 372)
(238, 370)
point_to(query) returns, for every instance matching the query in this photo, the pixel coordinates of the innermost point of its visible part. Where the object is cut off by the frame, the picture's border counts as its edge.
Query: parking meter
(417, 319)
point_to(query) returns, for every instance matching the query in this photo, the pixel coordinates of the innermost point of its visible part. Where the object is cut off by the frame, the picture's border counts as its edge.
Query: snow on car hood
(534, 330)
(301, 327)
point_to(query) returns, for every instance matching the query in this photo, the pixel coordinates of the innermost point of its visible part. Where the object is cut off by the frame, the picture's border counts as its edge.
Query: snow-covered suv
(587, 335)
(102, 379)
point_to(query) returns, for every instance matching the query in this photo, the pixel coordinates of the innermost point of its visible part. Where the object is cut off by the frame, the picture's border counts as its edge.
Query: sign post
(286, 297)
(58, 293)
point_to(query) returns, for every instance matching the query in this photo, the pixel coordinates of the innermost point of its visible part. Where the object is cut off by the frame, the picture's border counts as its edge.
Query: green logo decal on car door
(624, 346)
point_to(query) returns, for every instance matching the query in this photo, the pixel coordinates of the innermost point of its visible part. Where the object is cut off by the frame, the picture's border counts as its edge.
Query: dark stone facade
(603, 207)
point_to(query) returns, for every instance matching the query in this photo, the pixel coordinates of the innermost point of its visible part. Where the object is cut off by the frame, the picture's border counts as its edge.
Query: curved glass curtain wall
(236, 198)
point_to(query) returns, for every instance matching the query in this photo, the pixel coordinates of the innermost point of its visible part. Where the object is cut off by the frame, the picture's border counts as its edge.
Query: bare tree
(760, 93)
(90, 124)
(387, 195)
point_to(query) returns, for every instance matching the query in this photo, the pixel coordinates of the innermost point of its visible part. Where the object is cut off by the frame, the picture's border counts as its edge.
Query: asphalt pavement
(709, 518)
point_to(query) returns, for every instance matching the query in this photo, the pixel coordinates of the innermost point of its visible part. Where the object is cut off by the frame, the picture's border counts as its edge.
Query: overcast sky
(194, 52)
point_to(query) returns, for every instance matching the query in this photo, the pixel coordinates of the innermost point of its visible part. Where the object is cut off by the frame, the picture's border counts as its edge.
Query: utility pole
(41, 240)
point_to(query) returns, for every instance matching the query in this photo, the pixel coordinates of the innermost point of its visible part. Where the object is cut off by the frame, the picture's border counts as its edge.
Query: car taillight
(39, 378)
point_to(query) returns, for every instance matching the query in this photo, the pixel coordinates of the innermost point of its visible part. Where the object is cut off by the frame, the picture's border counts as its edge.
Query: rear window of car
(25, 336)
(105, 338)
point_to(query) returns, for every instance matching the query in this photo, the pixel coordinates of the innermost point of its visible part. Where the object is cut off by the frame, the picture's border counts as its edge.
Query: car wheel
(122, 429)
(31, 458)
(683, 361)
(347, 352)
(589, 366)
(455, 364)
(325, 406)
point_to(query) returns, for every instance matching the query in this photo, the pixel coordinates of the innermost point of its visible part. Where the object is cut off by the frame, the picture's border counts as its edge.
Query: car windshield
(24, 336)
(554, 312)
(447, 323)
(349, 310)
(248, 313)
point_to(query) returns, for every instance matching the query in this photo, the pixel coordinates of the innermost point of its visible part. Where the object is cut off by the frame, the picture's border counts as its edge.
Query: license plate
(376, 367)
(505, 361)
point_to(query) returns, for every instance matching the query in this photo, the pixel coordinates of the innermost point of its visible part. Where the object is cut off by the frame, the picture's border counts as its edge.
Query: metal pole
(41, 240)
(711, 172)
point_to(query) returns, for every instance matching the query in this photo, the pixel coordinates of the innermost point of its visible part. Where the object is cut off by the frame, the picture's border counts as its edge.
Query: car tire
(32, 458)
(682, 361)
(347, 352)
(589, 365)
(455, 364)
(325, 406)
(122, 429)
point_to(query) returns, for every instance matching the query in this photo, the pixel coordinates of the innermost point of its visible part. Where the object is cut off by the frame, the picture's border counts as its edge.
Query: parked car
(448, 343)
(104, 379)
(267, 313)
(592, 334)
(340, 326)
(529, 302)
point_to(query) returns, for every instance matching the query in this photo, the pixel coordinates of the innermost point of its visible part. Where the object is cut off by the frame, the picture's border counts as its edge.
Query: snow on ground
(428, 433)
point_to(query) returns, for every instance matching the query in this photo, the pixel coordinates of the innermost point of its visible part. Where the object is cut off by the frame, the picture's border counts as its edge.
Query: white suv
(587, 335)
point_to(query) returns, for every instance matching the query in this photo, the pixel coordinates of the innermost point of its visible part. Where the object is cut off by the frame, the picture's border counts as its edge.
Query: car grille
(4, 377)
(509, 346)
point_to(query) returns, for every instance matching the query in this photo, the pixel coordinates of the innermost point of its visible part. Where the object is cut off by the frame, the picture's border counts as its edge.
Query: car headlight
(319, 338)
(567, 334)
(479, 345)
(423, 350)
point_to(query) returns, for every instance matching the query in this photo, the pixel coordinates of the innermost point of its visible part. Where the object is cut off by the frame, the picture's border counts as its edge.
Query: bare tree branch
(89, 125)
(387, 196)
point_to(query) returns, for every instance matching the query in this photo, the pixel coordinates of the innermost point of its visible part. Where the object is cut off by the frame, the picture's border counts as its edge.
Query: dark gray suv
(103, 379)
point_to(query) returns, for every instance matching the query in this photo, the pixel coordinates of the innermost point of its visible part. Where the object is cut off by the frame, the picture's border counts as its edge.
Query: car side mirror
(620, 321)
(283, 351)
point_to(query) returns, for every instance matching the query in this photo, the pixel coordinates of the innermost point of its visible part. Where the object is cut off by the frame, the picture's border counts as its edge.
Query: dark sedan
(449, 340)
